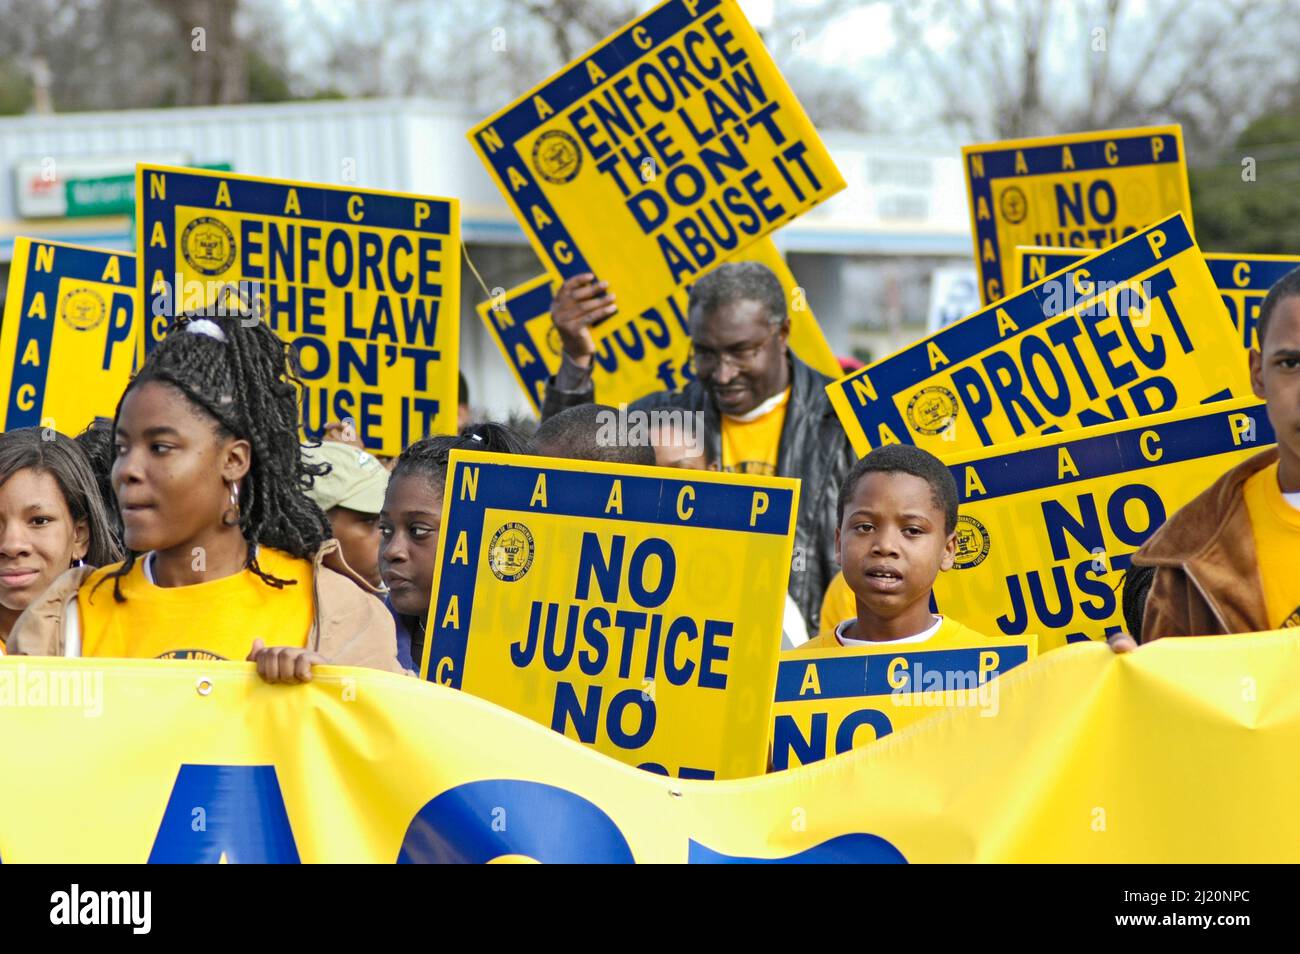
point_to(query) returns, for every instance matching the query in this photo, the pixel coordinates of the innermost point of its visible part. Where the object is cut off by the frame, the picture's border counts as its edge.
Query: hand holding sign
(580, 303)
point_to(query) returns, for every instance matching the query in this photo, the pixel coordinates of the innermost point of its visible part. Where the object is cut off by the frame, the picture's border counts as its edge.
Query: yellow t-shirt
(951, 635)
(218, 619)
(750, 446)
(1276, 525)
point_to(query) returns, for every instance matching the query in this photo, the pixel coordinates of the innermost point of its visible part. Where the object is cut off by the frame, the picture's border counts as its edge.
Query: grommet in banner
(203, 686)
(675, 792)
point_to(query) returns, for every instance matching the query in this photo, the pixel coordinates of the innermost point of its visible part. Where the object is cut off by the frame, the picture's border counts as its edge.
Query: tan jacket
(1207, 570)
(351, 627)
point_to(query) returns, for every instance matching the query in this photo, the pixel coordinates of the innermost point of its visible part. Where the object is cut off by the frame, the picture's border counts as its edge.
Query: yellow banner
(363, 285)
(67, 345)
(644, 349)
(1242, 280)
(627, 607)
(1130, 331)
(829, 701)
(1092, 758)
(673, 144)
(1048, 526)
(1085, 190)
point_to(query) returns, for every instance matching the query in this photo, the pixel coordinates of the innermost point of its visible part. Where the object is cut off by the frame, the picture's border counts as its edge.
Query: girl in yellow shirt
(226, 555)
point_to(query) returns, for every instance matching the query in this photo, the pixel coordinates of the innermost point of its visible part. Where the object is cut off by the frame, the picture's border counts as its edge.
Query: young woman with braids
(412, 518)
(227, 558)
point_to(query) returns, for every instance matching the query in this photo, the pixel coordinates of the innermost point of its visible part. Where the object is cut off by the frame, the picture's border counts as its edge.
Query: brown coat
(351, 627)
(1207, 571)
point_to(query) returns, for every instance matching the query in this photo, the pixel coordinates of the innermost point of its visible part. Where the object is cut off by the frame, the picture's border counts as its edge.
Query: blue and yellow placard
(642, 350)
(829, 701)
(68, 342)
(1047, 527)
(1133, 330)
(1033, 263)
(1242, 280)
(363, 285)
(626, 607)
(1084, 190)
(673, 144)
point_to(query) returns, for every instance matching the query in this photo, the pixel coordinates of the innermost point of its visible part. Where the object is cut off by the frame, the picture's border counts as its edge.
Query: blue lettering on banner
(857, 848)
(243, 818)
(480, 821)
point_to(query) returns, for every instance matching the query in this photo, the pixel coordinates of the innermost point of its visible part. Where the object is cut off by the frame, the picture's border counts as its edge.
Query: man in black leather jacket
(764, 410)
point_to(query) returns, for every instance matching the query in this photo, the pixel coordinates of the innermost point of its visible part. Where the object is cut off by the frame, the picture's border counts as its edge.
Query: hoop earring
(231, 517)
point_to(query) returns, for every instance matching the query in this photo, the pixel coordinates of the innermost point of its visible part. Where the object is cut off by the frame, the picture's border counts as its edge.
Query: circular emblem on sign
(208, 246)
(556, 156)
(82, 309)
(510, 554)
(972, 543)
(932, 409)
(1013, 205)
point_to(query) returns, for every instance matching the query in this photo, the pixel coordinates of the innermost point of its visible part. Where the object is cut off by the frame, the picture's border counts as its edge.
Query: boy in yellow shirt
(898, 516)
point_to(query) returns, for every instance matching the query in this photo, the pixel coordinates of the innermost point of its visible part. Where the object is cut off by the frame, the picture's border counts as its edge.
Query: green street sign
(113, 195)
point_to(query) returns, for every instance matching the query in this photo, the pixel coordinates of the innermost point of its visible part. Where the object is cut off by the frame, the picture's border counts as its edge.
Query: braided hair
(431, 456)
(238, 372)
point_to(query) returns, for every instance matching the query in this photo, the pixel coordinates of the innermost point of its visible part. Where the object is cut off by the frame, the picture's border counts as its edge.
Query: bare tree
(996, 69)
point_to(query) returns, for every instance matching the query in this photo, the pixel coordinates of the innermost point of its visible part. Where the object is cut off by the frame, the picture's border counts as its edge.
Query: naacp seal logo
(510, 553)
(1014, 205)
(82, 309)
(972, 543)
(556, 156)
(208, 245)
(932, 409)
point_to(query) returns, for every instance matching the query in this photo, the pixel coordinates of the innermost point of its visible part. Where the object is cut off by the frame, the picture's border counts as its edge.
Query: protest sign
(1085, 190)
(642, 350)
(673, 144)
(1047, 526)
(363, 285)
(1035, 262)
(1133, 330)
(829, 701)
(67, 345)
(626, 607)
(1242, 280)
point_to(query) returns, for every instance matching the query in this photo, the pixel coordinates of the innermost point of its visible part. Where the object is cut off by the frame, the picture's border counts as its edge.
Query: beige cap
(356, 479)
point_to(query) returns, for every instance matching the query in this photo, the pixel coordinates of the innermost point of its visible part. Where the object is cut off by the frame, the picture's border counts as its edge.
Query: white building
(865, 257)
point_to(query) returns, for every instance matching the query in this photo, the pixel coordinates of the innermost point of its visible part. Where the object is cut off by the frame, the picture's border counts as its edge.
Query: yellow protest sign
(363, 285)
(643, 349)
(1133, 330)
(1047, 526)
(364, 766)
(68, 341)
(1084, 190)
(626, 607)
(1033, 263)
(1242, 280)
(829, 701)
(673, 144)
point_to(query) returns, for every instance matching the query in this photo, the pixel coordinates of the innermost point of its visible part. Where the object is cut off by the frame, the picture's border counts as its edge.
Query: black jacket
(814, 449)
